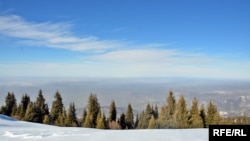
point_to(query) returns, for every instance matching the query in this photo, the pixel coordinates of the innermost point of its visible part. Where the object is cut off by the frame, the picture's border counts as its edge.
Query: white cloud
(153, 55)
(57, 35)
(112, 57)
(145, 63)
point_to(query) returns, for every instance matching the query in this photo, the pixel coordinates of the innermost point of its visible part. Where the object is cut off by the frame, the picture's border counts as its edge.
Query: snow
(13, 130)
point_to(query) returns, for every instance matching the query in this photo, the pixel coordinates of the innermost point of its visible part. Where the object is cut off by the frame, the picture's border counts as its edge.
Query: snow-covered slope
(14, 130)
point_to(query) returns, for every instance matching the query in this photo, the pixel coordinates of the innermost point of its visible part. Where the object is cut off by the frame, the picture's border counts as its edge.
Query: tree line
(173, 114)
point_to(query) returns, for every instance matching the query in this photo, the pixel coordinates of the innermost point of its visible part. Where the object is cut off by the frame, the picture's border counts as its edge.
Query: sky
(132, 38)
(12, 130)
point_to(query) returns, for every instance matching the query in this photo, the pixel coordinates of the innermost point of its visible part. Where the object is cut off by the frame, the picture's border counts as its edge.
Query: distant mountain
(229, 104)
(235, 105)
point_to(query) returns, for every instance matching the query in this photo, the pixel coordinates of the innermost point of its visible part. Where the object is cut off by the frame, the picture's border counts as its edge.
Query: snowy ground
(14, 130)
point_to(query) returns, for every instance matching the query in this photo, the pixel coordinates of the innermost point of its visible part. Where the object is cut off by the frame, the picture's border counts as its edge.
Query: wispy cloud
(56, 35)
(154, 55)
(100, 68)
(110, 58)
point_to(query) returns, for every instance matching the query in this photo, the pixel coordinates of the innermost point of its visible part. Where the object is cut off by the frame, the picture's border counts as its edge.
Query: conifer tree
(152, 123)
(181, 114)
(156, 112)
(195, 120)
(24, 104)
(166, 115)
(129, 118)
(71, 115)
(46, 119)
(32, 113)
(212, 114)
(84, 115)
(2, 110)
(40, 101)
(101, 121)
(148, 113)
(112, 111)
(15, 111)
(141, 123)
(41, 107)
(170, 104)
(145, 117)
(10, 103)
(93, 109)
(99, 118)
(122, 121)
(88, 122)
(29, 114)
(57, 107)
(62, 118)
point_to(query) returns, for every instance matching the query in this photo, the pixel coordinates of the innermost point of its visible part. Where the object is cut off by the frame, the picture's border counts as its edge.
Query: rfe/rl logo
(240, 132)
(228, 132)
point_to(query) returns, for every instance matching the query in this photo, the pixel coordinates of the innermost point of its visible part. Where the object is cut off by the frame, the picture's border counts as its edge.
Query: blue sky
(132, 38)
